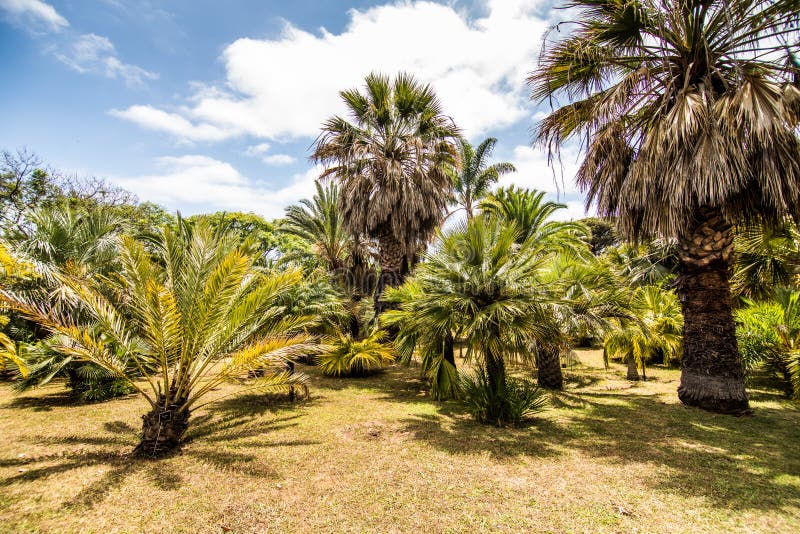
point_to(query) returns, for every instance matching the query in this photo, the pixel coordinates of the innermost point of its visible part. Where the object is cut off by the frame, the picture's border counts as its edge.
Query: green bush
(508, 404)
(349, 357)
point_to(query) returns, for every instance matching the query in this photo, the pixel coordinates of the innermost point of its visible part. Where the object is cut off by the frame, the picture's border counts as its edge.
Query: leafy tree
(257, 231)
(472, 182)
(691, 113)
(392, 160)
(188, 317)
(24, 185)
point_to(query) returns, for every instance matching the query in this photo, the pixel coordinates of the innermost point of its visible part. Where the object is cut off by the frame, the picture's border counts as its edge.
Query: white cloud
(173, 123)
(535, 172)
(286, 87)
(278, 159)
(198, 184)
(34, 11)
(257, 150)
(95, 53)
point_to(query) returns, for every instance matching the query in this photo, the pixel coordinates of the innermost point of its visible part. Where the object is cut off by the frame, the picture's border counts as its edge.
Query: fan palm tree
(472, 183)
(483, 283)
(392, 160)
(689, 110)
(188, 317)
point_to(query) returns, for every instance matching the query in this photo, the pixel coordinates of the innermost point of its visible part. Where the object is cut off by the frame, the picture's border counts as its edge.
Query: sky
(201, 105)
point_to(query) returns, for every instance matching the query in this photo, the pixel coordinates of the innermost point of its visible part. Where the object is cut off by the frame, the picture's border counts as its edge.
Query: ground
(377, 455)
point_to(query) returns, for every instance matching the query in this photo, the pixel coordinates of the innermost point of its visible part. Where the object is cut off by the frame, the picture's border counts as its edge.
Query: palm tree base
(162, 430)
(713, 393)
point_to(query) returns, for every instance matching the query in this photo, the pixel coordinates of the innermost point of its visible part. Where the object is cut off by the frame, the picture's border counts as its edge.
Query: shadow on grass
(735, 463)
(234, 429)
(46, 402)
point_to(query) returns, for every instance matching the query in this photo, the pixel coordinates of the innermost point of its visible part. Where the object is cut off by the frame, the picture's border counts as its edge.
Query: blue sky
(202, 105)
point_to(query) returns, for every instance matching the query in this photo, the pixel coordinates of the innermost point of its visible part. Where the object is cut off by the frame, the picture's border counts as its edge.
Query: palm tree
(530, 213)
(392, 161)
(317, 222)
(188, 317)
(586, 299)
(476, 176)
(655, 330)
(482, 282)
(690, 115)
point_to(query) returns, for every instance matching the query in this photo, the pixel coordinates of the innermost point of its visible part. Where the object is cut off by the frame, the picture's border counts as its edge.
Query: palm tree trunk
(163, 428)
(548, 372)
(394, 267)
(449, 349)
(633, 372)
(712, 376)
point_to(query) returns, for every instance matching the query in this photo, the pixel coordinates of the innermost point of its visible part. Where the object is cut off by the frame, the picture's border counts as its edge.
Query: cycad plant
(393, 159)
(346, 356)
(188, 317)
(689, 112)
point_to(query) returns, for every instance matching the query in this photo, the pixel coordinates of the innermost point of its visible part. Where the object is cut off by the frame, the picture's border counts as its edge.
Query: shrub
(509, 404)
(349, 357)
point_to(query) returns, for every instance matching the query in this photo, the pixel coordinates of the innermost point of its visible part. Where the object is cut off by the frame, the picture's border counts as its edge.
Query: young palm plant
(483, 283)
(393, 162)
(188, 317)
(655, 329)
(767, 258)
(472, 183)
(689, 110)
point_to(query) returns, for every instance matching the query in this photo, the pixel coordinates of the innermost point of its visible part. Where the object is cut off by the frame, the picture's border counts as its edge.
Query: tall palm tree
(190, 316)
(689, 111)
(474, 180)
(392, 160)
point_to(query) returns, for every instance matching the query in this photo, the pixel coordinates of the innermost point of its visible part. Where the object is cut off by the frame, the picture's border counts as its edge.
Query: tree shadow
(735, 463)
(45, 402)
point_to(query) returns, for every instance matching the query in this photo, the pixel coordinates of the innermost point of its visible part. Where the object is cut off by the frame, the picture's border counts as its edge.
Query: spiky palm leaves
(346, 356)
(766, 258)
(769, 333)
(188, 317)
(655, 329)
(475, 178)
(689, 112)
(392, 159)
(528, 210)
(481, 282)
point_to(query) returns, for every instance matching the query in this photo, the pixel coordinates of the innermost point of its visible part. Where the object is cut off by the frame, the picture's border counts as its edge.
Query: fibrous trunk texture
(633, 372)
(163, 428)
(394, 267)
(548, 371)
(712, 376)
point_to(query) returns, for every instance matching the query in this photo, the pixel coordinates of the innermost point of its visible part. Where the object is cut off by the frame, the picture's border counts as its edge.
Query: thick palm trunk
(449, 349)
(495, 372)
(162, 429)
(548, 372)
(633, 372)
(712, 376)
(394, 267)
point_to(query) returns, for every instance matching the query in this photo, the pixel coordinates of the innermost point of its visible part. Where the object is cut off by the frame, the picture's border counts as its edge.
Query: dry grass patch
(375, 454)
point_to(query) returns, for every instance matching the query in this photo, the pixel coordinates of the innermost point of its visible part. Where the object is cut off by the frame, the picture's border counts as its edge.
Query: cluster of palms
(689, 115)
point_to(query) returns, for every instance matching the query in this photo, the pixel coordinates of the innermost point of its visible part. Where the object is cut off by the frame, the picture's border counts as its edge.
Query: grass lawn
(377, 455)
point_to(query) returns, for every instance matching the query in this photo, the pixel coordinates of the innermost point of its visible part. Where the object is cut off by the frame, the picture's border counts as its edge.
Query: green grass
(375, 454)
